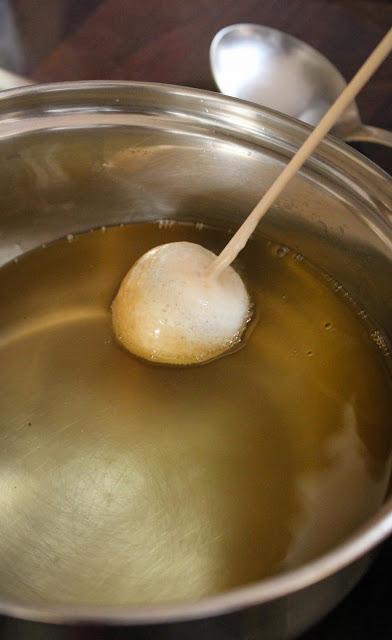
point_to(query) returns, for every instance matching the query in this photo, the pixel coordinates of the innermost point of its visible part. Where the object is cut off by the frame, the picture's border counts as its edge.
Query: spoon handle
(370, 134)
(240, 238)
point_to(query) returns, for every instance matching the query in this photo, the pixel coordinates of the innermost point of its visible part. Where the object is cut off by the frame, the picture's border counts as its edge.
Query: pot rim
(372, 533)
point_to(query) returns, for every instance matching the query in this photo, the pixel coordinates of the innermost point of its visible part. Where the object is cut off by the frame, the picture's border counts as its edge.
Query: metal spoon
(279, 71)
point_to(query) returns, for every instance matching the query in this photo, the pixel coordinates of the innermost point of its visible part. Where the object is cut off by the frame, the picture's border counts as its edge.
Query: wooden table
(168, 41)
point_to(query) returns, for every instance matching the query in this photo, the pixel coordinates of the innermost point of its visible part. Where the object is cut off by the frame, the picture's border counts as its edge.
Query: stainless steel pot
(197, 156)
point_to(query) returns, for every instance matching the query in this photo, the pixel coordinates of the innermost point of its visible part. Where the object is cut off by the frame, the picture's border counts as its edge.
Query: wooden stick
(240, 238)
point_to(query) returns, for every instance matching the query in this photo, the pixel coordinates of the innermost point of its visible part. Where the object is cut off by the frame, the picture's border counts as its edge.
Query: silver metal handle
(370, 134)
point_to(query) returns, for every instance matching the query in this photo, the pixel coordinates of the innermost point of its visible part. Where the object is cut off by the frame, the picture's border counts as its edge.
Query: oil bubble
(380, 341)
(281, 252)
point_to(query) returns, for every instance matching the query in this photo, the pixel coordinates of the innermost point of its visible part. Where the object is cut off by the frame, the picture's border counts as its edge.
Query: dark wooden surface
(168, 41)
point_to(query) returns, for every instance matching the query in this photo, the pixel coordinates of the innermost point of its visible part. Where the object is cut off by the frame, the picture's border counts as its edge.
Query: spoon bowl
(276, 70)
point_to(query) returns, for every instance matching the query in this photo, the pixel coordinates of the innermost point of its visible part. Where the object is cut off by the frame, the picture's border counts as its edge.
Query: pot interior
(71, 465)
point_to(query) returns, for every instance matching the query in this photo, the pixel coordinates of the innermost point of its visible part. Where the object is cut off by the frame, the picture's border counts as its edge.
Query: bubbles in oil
(165, 223)
(281, 251)
(381, 342)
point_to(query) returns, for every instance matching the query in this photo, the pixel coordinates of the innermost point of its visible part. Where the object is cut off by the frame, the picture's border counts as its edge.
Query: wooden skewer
(240, 238)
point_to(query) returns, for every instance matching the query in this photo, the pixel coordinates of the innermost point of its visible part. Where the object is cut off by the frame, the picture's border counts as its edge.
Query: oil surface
(123, 482)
